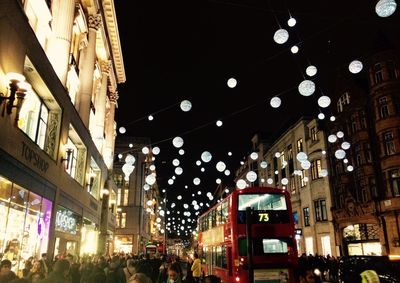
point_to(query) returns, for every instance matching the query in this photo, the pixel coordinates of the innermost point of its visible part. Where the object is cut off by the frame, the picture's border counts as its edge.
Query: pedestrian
(6, 274)
(174, 275)
(196, 268)
(140, 278)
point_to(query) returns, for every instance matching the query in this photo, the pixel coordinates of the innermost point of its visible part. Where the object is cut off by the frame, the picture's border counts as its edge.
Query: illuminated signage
(298, 232)
(66, 220)
(34, 158)
(265, 216)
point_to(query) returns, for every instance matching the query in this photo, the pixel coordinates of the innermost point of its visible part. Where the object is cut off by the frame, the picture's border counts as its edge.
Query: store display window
(90, 237)
(24, 223)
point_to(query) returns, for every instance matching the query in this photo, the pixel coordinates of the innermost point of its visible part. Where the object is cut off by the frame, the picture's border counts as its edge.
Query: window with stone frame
(342, 101)
(316, 169)
(367, 152)
(313, 133)
(394, 177)
(388, 140)
(378, 78)
(320, 210)
(383, 107)
(363, 120)
(306, 216)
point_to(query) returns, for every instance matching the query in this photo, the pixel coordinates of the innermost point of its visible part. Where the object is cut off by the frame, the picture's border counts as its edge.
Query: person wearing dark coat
(59, 273)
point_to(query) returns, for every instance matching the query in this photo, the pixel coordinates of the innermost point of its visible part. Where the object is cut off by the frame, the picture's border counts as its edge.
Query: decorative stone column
(109, 146)
(101, 106)
(86, 73)
(63, 12)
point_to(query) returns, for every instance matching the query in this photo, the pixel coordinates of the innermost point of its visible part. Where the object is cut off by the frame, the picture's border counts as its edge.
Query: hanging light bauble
(122, 130)
(232, 82)
(291, 22)
(263, 164)
(275, 102)
(251, 176)
(306, 88)
(324, 101)
(385, 8)
(321, 116)
(186, 105)
(177, 142)
(355, 66)
(241, 184)
(294, 49)
(281, 36)
(206, 156)
(311, 71)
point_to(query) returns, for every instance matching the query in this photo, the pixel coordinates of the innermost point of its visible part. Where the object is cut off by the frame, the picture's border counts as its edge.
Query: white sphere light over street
(196, 181)
(232, 82)
(155, 150)
(305, 164)
(227, 172)
(219, 123)
(340, 134)
(150, 117)
(355, 67)
(301, 156)
(254, 155)
(281, 36)
(170, 181)
(275, 102)
(181, 152)
(306, 88)
(345, 145)
(332, 118)
(263, 164)
(177, 142)
(324, 173)
(178, 170)
(241, 184)
(321, 116)
(324, 101)
(145, 150)
(340, 154)
(270, 181)
(218, 181)
(350, 168)
(175, 162)
(122, 130)
(291, 22)
(130, 159)
(186, 105)
(206, 156)
(277, 154)
(284, 181)
(251, 176)
(385, 8)
(220, 166)
(332, 138)
(120, 156)
(150, 179)
(311, 71)
(294, 49)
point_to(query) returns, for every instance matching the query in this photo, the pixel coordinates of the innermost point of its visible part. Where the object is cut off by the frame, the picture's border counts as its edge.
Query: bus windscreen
(262, 202)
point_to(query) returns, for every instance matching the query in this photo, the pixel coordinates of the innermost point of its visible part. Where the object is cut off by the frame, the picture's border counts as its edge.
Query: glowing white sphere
(355, 67)
(350, 168)
(251, 176)
(285, 181)
(149, 202)
(218, 181)
(276, 172)
(263, 164)
(281, 36)
(227, 172)
(196, 181)
(324, 172)
(146, 187)
(294, 49)
(241, 184)
(232, 82)
(202, 169)
(150, 179)
(178, 170)
(332, 138)
(170, 181)
(218, 123)
(175, 162)
(385, 8)
(254, 155)
(198, 162)
(179, 197)
(155, 150)
(145, 150)
(305, 164)
(324, 101)
(301, 156)
(177, 142)
(206, 156)
(305, 179)
(122, 130)
(270, 181)
(120, 156)
(324, 152)
(181, 152)
(277, 154)
(150, 117)
(345, 145)
(311, 71)
(127, 169)
(275, 102)
(332, 118)
(186, 105)
(130, 159)
(340, 154)
(306, 88)
(321, 116)
(130, 145)
(291, 22)
(221, 166)
(152, 167)
(229, 153)
(340, 134)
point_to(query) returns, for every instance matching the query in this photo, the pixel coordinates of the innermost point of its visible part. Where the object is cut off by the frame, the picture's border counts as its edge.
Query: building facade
(58, 81)
(365, 181)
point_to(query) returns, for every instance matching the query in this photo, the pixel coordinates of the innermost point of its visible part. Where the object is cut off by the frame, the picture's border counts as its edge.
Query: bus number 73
(263, 217)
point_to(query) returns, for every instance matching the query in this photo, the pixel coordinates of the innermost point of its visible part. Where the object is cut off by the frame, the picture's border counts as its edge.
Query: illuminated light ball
(152, 167)
(149, 202)
(218, 181)
(173, 177)
(275, 102)
(355, 66)
(321, 116)
(221, 166)
(177, 142)
(277, 154)
(263, 164)
(305, 179)
(186, 186)
(198, 162)
(175, 162)
(150, 117)
(281, 36)
(332, 118)
(179, 197)
(340, 154)
(146, 187)
(324, 101)
(229, 153)
(324, 173)
(199, 193)
(241, 163)
(173, 205)
(254, 155)
(202, 169)
(301, 156)
(305, 164)
(145, 150)
(276, 172)
(311, 71)
(130, 159)
(270, 181)
(185, 205)
(219, 123)
(206, 156)
(155, 150)
(196, 181)
(324, 152)
(345, 145)
(178, 170)
(294, 49)
(340, 134)
(241, 184)
(181, 152)
(251, 176)
(285, 181)
(232, 82)
(186, 105)
(332, 138)
(127, 169)
(150, 179)
(226, 191)
(262, 180)
(122, 130)
(291, 22)
(385, 8)
(345, 160)
(170, 181)
(350, 168)
(227, 172)
(120, 156)
(306, 88)
(130, 145)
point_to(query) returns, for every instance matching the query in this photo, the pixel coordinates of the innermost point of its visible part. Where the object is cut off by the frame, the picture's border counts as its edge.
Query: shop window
(306, 215)
(378, 73)
(320, 210)
(89, 237)
(316, 169)
(126, 197)
(395, 182)
(383, 107)
(389, 143)
(343, 100)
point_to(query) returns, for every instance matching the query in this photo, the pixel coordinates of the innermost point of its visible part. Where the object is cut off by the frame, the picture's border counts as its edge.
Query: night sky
(177, 50)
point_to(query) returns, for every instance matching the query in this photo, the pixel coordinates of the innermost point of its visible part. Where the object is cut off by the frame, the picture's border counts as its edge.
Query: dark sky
(176, 50)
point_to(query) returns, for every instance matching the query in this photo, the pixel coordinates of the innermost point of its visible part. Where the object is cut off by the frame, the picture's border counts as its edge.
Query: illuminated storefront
(362, 239)
(123, 243)
(90, 237)
(67, 231)
(24, 223)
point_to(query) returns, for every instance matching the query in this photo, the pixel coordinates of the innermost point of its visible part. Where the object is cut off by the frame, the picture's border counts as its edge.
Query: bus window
(262, 202)
(265, 246)
(224, 212)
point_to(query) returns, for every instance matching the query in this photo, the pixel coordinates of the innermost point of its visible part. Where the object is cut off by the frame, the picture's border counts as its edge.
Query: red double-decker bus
(223, 237)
